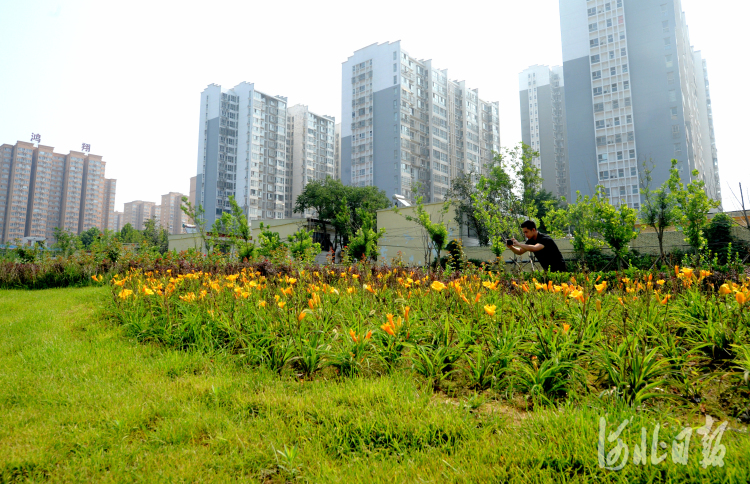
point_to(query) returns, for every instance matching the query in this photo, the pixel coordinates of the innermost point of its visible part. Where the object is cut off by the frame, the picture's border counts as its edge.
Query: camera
(508, 241)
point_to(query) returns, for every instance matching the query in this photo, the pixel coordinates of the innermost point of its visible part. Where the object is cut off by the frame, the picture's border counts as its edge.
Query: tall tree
(658, 207)
(694, 205)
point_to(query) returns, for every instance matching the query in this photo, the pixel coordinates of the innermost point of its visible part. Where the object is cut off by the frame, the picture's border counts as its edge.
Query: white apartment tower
(543, 126)
(242, 153)
(310, 148)
(632, 96)
(404, 121)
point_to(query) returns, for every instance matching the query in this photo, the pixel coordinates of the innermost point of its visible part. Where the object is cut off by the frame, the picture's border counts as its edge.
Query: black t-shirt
(550, 257)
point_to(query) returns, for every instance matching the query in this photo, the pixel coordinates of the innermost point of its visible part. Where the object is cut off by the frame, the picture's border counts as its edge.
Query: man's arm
(520, 248)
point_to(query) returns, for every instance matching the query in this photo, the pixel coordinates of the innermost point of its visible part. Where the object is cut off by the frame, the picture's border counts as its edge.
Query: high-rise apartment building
(337, 151)
(543, 125)
(116, 221)
(137, 212)
(404, 122)
(242, 153)
(631, 96)
(310, 148)
(171, 214)
(708, 137)
(110, 187)
(41, 190)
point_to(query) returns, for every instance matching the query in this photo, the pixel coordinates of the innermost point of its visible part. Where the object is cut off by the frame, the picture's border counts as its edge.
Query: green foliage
(155, 236)
(694, 205)
(129, 235)
(658, 207)
(341, 206)
(462, 194)
(579, 220)
(270, 242)
(65, 241)
(89, 236)
(615, 225)
(720, 240)
(302, 247)
(364, 244)
(435, 233)
(506, 196)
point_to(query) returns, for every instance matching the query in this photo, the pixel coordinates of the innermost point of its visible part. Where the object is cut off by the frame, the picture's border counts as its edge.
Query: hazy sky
(126, 77)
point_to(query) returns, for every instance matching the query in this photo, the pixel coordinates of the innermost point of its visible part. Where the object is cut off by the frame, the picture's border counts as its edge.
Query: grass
(81, 402)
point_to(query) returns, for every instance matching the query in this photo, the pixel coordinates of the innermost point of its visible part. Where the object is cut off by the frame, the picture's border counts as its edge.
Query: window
(626, 85)
(634, 189)
(394, 56)
(615, 104)
(602, 158)
(623, 52)
(608, 192)
(622, 191)
(629, 118)
(395, 67)
(395, 79)
(664, 9)
(622, 35)
(607, 7)
(673, 113)
(611, 54)
(619, 3)
(613, 174)
(610, 38)
(668, 60)
(678, 148)
(617, 121)
(592, 11)
(633, 171)
(594, 43)
(597, 91)
(619, 155)
(595, 59)
(631, 154)
(613, 71)
(603, 175)
(624, 68)
(593, 27)
(667, 43)
(672, 96)
(618, 138)
(670, 77)
(598, 107)
(620, 20)
(627, 101)
(675, 131)
(596, 75)
(609, 22)
(621, 172)
(665, 26)
(601, 141)
(631, 136)
(614, 87)
(600, 124)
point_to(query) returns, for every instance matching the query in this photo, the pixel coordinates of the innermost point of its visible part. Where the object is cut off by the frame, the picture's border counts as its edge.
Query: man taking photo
(544, 248)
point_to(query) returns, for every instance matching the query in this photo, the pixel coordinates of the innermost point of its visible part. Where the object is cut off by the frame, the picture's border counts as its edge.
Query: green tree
(615, 224)
(462, 194)
(506, 195)
(658, 207)
(694, 205)
(89, 236)
(364, 243)
(337, 205)
(270, 242)
(129, 235)
(301, 245)
(578, 220)
(198, 216)
(435, 234)
(65, 241)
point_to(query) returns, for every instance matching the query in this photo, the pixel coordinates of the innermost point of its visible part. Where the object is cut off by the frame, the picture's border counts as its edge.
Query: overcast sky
(126, 77)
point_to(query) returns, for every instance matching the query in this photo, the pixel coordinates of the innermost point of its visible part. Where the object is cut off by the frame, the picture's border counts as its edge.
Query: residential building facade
(41, 190)
(137, 212)
(171, 215)
(310, 148)
(242, 153)
(543, 127)
(405, 124)
(631, 96)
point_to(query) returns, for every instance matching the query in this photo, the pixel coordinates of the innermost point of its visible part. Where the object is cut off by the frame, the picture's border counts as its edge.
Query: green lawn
(80, 402)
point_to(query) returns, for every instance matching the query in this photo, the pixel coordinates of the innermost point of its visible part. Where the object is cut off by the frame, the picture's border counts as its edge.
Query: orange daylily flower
(740, 296)
(437, 286)
(490, 309)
